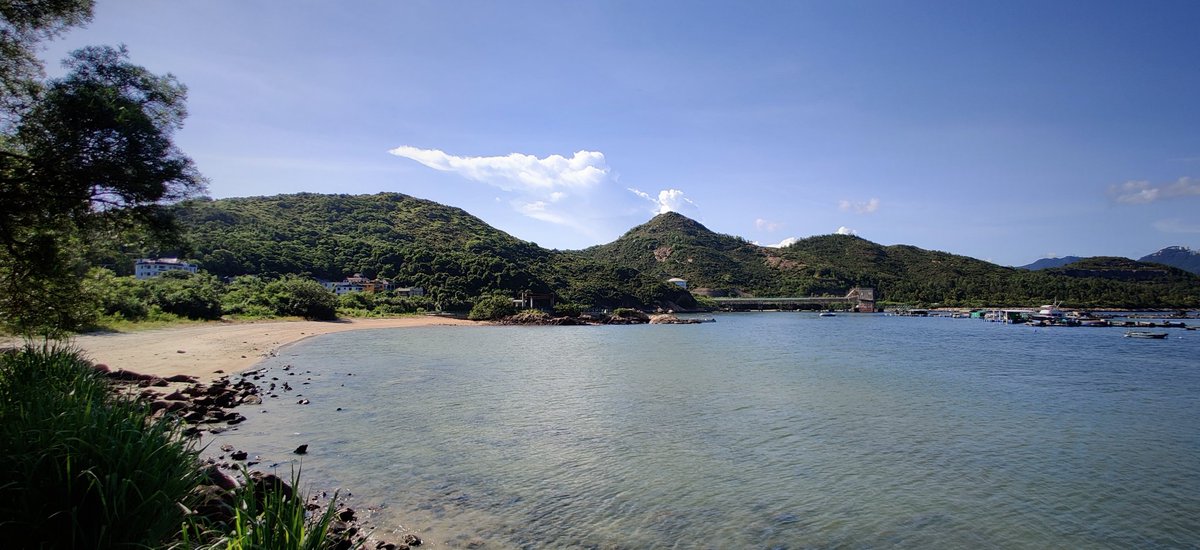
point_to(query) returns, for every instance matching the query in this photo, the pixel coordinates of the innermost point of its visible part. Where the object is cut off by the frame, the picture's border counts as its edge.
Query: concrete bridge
(858, 299)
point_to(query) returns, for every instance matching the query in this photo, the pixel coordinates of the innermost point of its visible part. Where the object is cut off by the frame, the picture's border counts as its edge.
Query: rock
(269, 482)
(214, 503)
(252, 400)
(237, 419)
(303, 449)
(101, 367)
(182, 378)
(175, 396)
(218, 478)
(346, 514)
(238, 455)
(412, 540)
(302, 402)
(219, 371)
(158, 382)
(226, 448)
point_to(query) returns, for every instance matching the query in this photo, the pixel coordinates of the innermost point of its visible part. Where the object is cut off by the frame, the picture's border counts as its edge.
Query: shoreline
(210, 350)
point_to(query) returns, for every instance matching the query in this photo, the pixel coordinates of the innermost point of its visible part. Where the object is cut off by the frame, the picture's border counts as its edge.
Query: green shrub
(83, 468)
(491, 308)
(191, 295)
(295, 296)
(568, 309)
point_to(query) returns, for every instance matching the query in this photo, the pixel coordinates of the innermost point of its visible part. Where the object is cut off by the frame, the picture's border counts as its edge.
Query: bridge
(858, 299)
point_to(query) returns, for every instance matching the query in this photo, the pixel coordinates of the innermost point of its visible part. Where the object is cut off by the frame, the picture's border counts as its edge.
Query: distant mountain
(1046, 263)
(1176, 256)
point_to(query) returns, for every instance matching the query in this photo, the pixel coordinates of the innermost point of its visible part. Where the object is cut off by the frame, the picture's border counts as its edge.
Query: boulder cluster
(209, 408)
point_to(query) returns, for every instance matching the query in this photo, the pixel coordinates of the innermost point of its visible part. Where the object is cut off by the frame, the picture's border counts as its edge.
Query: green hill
(452, 254)
(457, 257)
(673, 245)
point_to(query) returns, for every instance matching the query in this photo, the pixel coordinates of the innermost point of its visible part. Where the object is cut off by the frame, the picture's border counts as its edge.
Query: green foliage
(83, 468)
(491, 308)
(84, 158)
(190, 295)
(296, 296)
(268, 516)
(568, 309)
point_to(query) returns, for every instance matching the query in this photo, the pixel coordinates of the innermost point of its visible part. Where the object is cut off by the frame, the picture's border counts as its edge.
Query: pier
(857, 299)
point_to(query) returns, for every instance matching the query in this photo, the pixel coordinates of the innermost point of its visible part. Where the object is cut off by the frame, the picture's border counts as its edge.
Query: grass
(85, 468)
(269, 516)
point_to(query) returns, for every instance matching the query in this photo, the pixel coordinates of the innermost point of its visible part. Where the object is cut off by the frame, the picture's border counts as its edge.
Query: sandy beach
(203, 350)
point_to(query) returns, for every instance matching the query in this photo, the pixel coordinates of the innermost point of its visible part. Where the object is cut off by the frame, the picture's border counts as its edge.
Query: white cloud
(669, 200)
(1142, 191)
(517, 171)
(868, 207)
(766, 225)
(1176, 225)
(843, 230)
(784, 243)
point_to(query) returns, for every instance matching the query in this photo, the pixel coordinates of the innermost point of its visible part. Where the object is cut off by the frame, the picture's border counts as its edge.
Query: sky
(1006, 131)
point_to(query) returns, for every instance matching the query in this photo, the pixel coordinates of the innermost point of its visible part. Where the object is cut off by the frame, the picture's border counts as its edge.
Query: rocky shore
(211, 409)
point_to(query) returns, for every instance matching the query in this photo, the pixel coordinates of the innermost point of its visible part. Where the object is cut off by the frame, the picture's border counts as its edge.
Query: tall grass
(82, 467)
(269, 517)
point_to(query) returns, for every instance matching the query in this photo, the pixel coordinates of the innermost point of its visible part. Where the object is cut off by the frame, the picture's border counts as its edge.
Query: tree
(295, 296)
(82, 156)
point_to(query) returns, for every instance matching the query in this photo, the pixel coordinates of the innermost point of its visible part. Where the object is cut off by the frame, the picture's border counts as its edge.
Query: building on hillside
(532, 300)
(358, 283)
(681, 283)
(145, 268)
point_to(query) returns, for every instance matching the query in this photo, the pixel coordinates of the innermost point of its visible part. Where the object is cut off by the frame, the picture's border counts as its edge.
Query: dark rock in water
(214, 503)
(175, 396)
(412, 540)
(219, 371)
(346, 514)
(252, 400)
(303, 449)
(237, 419)
(381, 545)
(180, 351)
(269, 482)
(226, 448)
(238, 455)
(302, 402)
(218, 478)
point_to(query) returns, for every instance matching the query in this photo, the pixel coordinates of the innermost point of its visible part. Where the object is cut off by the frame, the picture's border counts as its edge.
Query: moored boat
(1146, 335)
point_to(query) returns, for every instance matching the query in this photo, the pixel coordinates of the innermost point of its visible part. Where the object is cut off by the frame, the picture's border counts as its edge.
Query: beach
(209, 350)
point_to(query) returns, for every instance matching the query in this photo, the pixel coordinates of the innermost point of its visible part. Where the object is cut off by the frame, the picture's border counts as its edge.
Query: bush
(294, 296)
(191, 295)
(491, 308)
(84, 468)
(568, 310)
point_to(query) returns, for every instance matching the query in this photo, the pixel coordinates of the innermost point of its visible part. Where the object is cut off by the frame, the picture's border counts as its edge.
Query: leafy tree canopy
(83, 159)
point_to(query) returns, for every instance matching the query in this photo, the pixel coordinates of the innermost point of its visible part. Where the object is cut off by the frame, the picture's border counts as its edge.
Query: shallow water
(763, 430)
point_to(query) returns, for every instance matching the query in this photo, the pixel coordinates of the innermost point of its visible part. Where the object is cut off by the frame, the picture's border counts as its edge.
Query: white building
(145, 268)
(681, 283)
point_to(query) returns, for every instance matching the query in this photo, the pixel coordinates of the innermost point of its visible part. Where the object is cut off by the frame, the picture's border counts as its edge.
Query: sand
(204, 350)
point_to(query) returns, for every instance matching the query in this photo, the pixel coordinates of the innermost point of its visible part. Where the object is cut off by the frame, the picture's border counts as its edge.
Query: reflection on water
(758, 431)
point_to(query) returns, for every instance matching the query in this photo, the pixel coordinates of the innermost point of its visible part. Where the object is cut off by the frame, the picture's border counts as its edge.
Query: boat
(1144, 334)
(827, 314)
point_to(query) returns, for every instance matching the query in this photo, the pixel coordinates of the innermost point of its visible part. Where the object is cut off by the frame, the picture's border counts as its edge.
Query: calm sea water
(762, 430)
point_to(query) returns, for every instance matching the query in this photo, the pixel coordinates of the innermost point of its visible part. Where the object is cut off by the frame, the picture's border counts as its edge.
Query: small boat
(1144, 334)
(827, 314)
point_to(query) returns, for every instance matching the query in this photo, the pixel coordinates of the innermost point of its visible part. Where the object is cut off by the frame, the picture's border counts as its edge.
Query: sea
(760, 430)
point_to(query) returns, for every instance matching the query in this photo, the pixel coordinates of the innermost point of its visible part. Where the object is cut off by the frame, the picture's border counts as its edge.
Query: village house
(145, 268)
(358, 283)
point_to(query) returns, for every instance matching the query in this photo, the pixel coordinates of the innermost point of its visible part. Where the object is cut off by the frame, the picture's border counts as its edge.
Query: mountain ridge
(459, 257)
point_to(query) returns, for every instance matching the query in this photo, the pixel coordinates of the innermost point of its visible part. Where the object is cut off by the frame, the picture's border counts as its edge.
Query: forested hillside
(455, 256)
(458, 258)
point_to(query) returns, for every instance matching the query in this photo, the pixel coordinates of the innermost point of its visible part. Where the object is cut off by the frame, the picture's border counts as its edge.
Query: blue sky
(1006, 131)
